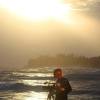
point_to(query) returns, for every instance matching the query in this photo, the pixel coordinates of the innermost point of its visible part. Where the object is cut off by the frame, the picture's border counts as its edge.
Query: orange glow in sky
(37, 9)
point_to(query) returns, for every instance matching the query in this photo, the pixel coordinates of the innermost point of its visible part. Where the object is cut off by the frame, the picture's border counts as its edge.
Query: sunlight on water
(31, 96)
(34, 82)
(32, 74)
(38, 96)
(84, 81)
(35, 96)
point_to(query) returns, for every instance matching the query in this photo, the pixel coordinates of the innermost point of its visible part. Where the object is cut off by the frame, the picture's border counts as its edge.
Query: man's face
(57, 74)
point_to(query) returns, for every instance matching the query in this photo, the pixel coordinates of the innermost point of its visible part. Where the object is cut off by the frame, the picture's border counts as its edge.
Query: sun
(37, 9)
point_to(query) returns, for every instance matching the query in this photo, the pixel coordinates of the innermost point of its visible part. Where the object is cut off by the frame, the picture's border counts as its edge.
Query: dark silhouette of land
(64, 61)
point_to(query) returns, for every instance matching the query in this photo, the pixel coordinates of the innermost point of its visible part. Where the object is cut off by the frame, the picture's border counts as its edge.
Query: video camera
(48, 86)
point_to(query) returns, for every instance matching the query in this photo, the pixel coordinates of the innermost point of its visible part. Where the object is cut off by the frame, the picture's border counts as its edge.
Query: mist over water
(26, 84)
(32, 28)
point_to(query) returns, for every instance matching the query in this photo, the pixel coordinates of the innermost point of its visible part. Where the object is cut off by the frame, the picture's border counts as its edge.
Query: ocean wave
(20, 87)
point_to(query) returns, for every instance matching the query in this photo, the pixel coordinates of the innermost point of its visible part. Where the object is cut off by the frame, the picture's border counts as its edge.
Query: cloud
(94, 9)
(90, 7)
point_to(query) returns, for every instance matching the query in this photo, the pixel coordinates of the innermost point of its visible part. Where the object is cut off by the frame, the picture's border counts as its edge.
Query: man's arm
(67, 86)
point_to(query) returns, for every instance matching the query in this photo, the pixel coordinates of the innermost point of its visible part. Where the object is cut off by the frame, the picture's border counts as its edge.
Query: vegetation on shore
(64, 60)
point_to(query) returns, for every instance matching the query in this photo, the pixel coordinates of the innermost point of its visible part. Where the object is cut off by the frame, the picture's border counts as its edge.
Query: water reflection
(32, 74)
(84, 81)
(34, 82)
(36, 96)
(30, 96)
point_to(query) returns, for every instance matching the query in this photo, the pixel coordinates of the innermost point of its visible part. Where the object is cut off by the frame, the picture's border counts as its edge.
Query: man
(62, 85)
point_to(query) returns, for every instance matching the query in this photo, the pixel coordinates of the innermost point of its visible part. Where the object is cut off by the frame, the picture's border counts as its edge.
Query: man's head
(58, 73)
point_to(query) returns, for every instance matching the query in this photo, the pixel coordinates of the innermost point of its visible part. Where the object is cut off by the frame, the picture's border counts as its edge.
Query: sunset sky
(29, 28)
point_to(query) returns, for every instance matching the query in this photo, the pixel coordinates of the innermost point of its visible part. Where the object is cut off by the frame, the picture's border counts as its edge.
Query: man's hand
(59, 87)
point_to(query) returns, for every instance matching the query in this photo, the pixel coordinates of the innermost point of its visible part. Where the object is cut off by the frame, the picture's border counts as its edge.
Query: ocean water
(26, 84)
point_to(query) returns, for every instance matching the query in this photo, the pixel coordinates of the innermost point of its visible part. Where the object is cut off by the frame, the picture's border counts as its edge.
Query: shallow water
(27, 84)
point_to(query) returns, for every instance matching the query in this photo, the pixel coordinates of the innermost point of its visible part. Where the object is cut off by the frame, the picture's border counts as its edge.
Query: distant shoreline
(62, 60)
